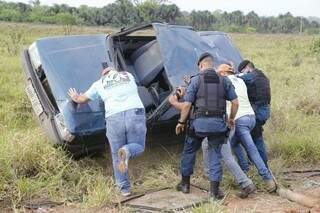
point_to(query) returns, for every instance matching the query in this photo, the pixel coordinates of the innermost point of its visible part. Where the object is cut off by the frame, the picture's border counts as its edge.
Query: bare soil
(259, 202)
(263, 203)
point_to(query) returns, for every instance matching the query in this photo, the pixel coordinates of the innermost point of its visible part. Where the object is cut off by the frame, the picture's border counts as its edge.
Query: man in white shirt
(244, 123)
(125, 119)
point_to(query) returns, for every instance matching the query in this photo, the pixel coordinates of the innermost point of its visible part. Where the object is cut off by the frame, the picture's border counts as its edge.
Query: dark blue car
(157, 54)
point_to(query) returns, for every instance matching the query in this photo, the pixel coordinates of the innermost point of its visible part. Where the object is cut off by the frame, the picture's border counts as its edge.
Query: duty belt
(215, 114)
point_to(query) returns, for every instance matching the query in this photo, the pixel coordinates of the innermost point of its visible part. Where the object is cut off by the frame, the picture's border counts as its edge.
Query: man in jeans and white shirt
(244, 123)
(125, 119)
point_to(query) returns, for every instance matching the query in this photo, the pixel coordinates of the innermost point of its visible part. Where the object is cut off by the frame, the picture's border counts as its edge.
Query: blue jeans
(126, 130)
(262, 115)
(244, 125)
(240, 154)
(228, 160)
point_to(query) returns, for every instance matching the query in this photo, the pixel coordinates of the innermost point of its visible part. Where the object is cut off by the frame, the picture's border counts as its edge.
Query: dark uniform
(208, 93)
(259, 94)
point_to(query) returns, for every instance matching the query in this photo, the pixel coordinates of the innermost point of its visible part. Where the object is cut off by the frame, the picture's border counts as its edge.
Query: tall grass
(293, 130)
(31, 169)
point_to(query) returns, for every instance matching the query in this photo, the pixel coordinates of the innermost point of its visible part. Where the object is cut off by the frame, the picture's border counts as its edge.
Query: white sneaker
(124, 159)
(125, 194)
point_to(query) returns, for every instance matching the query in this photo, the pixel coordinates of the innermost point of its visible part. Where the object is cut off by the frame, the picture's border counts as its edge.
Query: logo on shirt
(114, 79)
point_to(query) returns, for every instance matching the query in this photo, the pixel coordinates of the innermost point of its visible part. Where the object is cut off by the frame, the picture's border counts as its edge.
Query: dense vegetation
(131, 12)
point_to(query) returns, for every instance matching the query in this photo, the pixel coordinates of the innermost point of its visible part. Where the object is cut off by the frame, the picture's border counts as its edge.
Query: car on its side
(157, 54)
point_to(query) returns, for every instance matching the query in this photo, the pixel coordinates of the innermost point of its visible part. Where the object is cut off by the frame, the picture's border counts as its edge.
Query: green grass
(31, 169)
(292, 132)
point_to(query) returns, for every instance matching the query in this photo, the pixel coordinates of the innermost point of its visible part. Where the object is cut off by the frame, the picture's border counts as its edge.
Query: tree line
(124, 13)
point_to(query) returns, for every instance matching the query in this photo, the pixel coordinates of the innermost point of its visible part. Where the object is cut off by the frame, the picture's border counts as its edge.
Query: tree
(252, 19)
(37, 14)
(66, 20)
(169, 13)
(34, 3)
(10, 15)
(132, 12)
(202, 20)
(120, 13)
(148, 10)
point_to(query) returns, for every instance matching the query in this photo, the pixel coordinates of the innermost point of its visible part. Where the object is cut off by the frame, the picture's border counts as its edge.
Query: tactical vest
(210, 98)
(259, 91)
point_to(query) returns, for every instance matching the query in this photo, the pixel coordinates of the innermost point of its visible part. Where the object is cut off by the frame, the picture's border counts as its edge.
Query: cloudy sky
(262, 7)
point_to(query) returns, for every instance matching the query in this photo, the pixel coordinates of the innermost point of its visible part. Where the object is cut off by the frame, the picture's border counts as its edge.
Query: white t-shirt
(241, 91)
(118, 90)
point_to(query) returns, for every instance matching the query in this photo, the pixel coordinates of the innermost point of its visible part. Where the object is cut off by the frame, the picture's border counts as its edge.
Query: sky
(261, 7)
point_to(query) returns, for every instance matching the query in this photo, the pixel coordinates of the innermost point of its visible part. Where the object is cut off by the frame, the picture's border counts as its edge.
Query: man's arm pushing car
(78, 98)
(81, 98)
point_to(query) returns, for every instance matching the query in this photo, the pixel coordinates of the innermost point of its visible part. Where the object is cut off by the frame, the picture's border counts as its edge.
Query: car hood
(73, 62)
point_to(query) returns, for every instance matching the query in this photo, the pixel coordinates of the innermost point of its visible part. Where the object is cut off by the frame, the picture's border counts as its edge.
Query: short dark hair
(245, 63)
(251, 65)
(205, 56)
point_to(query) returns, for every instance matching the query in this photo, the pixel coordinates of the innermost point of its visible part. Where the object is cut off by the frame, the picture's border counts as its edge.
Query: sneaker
(271, 186)
(244, 193)
(123, 160)
(125, 194)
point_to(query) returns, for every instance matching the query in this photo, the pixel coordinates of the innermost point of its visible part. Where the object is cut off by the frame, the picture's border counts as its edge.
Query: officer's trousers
(191, 145)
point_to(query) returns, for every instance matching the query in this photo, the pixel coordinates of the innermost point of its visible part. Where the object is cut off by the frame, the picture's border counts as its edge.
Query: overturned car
(157, 54)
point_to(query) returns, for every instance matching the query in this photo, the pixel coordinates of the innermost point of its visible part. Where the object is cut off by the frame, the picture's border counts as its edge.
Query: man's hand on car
(73, 94)
(78, 98)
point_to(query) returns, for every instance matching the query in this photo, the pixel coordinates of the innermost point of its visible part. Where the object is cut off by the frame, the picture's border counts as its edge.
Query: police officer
(259, 94)
(207, 93)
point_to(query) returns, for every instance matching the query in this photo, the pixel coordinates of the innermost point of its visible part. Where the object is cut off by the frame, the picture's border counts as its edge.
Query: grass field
(31, 169)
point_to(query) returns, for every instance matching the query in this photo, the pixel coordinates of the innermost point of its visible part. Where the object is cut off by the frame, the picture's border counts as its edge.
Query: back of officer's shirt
(209, 124)
(118, 90)
(241, 91)
(193, 88)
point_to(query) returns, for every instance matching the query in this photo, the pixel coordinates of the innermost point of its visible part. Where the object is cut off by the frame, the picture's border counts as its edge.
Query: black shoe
(184, 185)
(215, 192)
(244, 193)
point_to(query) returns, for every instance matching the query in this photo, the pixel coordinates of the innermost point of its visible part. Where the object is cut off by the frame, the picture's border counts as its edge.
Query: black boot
(184, 185)
(245, 192)
(215, 193)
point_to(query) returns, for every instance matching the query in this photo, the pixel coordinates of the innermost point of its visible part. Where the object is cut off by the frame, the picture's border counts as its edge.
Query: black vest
(259, 91)
(210, 98)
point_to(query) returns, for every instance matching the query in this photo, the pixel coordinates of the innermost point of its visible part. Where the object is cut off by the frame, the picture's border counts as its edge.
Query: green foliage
(250, 30)
(148, 10)
(10, 15)
(66, 20)
(14, 40)
(132, 12)
(315, 46)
